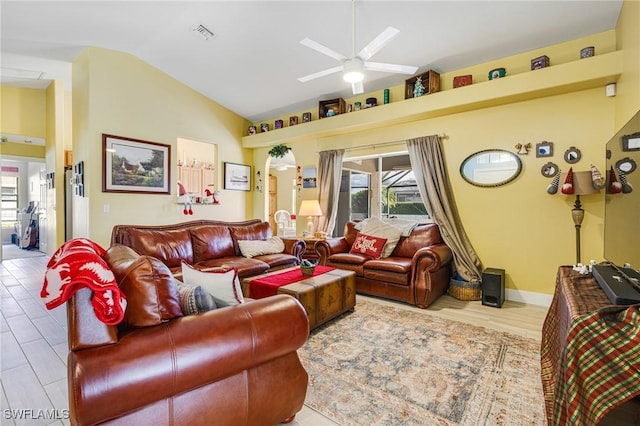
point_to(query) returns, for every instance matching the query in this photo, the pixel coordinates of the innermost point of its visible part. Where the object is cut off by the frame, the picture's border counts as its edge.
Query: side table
(589, 354)
(310, 253)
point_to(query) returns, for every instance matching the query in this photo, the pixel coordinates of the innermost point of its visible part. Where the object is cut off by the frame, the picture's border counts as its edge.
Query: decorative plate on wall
(572, 155)
(550, 169)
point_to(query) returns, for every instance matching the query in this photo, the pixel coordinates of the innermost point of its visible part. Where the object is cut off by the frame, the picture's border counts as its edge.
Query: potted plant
(279, 151)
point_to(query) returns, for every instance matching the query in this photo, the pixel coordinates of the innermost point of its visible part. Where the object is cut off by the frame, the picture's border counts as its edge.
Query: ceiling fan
(354, 65)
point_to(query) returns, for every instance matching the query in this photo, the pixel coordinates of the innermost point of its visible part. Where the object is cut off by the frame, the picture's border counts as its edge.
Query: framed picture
(309, 177)
(631, 142)
(306, 117)
(237, 177)
(132, 165)
(544, 149)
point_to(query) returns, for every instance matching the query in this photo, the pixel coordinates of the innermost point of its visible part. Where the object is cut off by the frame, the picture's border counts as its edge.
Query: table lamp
(310, 208)
(582, 185)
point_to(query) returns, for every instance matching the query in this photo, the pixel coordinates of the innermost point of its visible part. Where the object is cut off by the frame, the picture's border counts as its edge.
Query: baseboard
(528, 297)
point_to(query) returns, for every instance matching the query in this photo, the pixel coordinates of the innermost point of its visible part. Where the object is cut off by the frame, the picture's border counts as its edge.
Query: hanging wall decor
(572, 155)
(132, 165)
(544, 149)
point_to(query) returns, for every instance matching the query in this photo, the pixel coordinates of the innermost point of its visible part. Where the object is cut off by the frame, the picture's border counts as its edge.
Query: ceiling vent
(203, 32)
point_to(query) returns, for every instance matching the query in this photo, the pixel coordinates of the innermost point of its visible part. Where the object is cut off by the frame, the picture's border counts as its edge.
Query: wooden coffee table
(323, 296)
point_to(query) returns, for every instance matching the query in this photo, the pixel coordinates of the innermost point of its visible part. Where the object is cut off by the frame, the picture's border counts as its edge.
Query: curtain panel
(429, 169)
(329, 175)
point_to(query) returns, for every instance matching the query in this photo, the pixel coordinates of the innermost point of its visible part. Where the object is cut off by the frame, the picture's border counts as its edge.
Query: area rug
(383, 365)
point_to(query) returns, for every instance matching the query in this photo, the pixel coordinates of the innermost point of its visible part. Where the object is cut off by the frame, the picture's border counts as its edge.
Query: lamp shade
(582, 183)
(310, 208)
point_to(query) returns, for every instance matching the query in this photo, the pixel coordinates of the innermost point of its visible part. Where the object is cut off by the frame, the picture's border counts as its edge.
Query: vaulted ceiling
(252, 63)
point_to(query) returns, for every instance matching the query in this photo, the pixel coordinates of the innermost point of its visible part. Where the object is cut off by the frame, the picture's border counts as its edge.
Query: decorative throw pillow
(368, 245)
(377, 228)
(195, 300)
(152, 294)
(251, 248)
(222, 284)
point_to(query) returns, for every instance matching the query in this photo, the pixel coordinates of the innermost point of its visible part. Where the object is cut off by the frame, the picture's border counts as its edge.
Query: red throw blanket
(76, 264)
(268, 286)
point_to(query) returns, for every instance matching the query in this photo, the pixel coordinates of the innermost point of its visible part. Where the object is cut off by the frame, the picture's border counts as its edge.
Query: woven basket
(463, 290)
(307, 270)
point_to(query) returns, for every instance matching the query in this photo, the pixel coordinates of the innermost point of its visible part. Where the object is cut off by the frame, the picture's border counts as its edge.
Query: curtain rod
(377, 145)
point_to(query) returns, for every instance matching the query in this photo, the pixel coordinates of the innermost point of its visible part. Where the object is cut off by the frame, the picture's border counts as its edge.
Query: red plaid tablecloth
(590, 353)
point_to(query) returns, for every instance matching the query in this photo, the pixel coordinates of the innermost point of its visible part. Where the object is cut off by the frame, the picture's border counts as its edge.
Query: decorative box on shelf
(462, 80)
(331, 107)
(540, 62)
(430, 81)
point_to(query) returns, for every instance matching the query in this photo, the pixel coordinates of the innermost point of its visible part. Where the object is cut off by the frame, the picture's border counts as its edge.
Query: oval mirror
(491, 167)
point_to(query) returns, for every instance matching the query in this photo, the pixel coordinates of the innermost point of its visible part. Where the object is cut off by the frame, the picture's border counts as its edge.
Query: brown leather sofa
(231, 366)
(208, 244)
(417, 271)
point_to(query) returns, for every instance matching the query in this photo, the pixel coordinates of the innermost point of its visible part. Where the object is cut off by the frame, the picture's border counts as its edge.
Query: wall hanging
(135, 166)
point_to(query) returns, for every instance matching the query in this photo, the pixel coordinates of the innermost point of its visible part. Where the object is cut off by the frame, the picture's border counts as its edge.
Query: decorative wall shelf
(583, 74)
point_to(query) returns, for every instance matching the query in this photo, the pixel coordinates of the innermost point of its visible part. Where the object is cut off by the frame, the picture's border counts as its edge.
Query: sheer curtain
(429, 169)
(329, 174)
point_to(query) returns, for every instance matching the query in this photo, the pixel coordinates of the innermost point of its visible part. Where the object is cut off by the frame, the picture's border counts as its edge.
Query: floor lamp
(582, 185)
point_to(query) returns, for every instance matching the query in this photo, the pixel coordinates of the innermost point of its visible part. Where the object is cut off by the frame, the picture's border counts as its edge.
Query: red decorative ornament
(567, 186)
(614, 187)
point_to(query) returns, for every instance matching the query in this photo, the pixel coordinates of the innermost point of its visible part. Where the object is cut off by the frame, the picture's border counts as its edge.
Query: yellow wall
(54, 160)
(118, 94)
(562, 53)
(22, 111)
(22, 150)
(518, 227)
(628, 38)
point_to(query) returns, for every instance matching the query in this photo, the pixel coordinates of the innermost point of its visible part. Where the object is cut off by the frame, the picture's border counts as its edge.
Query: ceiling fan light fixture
(353, 71)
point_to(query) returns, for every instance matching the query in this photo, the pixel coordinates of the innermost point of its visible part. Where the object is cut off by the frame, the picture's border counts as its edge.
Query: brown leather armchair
(417, 271)
(231, 366)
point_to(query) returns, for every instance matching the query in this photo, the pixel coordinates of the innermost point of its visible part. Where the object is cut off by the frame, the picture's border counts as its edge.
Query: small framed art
(237, 177)
(544, 149)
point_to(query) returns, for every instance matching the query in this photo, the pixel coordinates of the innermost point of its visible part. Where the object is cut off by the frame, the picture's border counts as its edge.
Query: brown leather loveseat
(231, 366)
(207, 244)
(416, 272)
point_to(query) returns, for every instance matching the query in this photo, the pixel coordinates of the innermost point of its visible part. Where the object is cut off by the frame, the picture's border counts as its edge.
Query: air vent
(203, 32)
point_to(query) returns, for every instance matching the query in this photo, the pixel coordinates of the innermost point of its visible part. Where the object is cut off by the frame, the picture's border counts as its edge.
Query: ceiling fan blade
(400, 69)
(322, 49)
(357, 88)
(378, 43)
(321, 74)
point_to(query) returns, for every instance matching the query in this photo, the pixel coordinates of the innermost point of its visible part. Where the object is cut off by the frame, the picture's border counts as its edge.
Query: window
(9, 194)
(401, 197)
(381, 186)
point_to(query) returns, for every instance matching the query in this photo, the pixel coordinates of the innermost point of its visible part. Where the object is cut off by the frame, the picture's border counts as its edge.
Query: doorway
(21, 207)
(281, 193)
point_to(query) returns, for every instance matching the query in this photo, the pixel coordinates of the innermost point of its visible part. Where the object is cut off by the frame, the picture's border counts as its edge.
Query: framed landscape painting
(135, 166)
